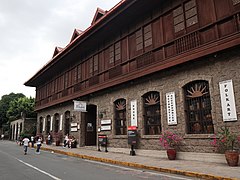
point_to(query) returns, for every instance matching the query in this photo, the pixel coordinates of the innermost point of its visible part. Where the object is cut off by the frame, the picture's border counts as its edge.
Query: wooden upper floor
(134, 39)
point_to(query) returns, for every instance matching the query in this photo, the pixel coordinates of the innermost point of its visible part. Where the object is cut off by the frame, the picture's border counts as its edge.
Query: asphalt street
(15, 165)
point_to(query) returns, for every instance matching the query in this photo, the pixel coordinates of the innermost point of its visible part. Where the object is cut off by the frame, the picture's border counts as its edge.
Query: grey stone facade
(213, 68)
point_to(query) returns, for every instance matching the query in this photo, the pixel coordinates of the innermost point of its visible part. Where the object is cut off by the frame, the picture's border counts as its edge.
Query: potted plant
(226, 142)
(170, 141)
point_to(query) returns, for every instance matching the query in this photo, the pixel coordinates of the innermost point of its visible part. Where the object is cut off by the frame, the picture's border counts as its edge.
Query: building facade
(165, 65)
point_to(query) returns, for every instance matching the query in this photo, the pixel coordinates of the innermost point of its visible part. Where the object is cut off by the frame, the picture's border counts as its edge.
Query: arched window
(41, 124)
(151, 113)
(67, 122)
(48, 124)
(198, 108)
(56, 122)
(120, 117)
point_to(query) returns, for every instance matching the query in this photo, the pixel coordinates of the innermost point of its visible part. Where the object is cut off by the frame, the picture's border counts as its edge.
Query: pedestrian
(25, 144)
(49, 138)
(39, 143)
(66, 141)
(32, 141)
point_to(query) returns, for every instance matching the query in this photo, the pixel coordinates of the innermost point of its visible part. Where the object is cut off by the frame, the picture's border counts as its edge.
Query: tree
(22, 106)
(4, 106)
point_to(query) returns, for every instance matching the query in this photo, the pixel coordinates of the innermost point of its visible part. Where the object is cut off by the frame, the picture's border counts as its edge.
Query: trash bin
(102, 141)
(132, 138)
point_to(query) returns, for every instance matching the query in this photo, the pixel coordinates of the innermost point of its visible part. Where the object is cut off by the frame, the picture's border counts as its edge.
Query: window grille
(120, 117)
(198, 108)
(152, 116)
(139, 40)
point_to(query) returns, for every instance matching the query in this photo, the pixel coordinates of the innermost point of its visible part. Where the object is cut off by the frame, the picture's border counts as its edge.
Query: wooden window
(152, 116)
(147, 35)
(198, 108)
(191, 13)
(79, 73)
(235, 2)
(117, 49)
(111, 54)
(66, 79)
(178, 19)
(120, 117)
(95, 63)
(185, 16)
(139, 40)
(90, 66)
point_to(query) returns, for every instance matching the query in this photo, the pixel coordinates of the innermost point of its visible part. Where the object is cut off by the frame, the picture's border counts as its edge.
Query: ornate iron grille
(152, 116)
(120, 117)
(198, 108)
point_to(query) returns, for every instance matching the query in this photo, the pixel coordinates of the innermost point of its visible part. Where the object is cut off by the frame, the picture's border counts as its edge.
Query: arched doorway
(56, 122)
(90, 126)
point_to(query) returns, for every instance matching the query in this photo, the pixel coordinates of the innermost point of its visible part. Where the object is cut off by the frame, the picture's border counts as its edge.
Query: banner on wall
(171, 108)
(228, 101)
(134, 113)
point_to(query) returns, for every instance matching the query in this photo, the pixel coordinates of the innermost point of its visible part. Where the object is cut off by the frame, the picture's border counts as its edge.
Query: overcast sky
(31, 29)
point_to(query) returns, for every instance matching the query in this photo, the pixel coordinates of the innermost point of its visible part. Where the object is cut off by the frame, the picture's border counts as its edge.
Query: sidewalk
(205, 170)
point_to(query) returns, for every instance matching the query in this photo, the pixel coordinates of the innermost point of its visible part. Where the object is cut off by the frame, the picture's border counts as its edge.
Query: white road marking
(148, 172)
(56, 178)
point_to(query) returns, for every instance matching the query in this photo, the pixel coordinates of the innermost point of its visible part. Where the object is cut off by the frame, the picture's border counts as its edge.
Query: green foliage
(22, 106)
(4, 106)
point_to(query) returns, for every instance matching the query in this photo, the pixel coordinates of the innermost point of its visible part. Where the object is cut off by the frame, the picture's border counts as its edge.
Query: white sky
(31, 29)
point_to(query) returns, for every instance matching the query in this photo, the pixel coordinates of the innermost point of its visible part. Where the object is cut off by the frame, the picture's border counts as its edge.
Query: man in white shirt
(25, 144)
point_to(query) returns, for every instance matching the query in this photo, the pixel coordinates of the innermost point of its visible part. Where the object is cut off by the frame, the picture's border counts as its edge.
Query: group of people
(25, 142)
(69, 141)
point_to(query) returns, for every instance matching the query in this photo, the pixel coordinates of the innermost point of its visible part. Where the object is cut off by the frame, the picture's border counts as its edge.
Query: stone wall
(213, 68)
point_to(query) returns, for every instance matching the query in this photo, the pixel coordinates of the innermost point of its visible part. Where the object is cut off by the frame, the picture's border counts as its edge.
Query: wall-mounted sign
(74, 129)
(106, 128)
(171, 108)
(134, 113)
(108, 121)
(227, 101)
(80, 106)
(74, 124)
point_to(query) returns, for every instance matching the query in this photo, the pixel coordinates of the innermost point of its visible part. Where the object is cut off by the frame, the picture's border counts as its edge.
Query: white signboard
(80, 106)
(171, 108)
(74, 129)
(106, 121)
(228, 101)
(43, 128)
(73, 124)
(106, 128)
(134, 113)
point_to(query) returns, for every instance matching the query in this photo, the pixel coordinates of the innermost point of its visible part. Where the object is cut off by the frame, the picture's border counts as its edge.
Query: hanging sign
(227, 101)
(43, 128)
(51, 123)
(134, 113)
(171, 108)
(80, 106)
(61, 121)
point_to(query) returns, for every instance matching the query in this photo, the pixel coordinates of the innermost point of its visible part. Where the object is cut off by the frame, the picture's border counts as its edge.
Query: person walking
(25, 144)
(32, 141)
(49, 138)
(39, 143)
(66, 141)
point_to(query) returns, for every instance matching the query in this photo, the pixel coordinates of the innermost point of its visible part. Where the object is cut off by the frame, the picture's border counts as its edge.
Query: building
(23, 126)
(159, 64)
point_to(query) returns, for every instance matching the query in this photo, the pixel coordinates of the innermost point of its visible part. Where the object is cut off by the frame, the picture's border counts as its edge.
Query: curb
(136, 165)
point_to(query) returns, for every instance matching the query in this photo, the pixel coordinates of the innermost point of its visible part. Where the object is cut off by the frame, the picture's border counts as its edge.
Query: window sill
(119, 136)
(198, 136)
(150, 136)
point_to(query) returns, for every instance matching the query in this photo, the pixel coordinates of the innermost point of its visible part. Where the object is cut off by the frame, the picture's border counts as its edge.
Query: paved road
(47, 165)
